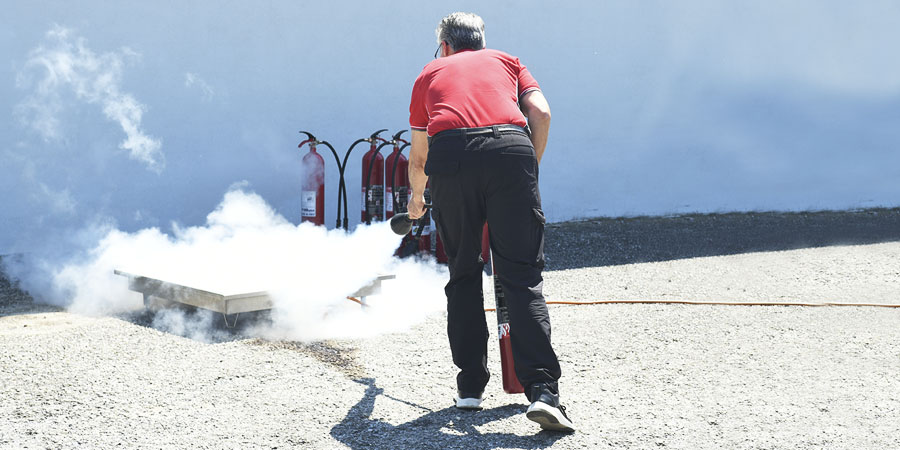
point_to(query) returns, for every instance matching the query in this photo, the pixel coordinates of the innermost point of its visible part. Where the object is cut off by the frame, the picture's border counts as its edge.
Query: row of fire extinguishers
(380, 200)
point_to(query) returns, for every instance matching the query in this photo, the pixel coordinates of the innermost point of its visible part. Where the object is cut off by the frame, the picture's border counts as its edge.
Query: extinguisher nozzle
(401, 224)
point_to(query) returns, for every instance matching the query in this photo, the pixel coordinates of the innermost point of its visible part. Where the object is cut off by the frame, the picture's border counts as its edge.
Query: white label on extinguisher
(503, 330)
(389, 205)
(374, 207)
(308, 204)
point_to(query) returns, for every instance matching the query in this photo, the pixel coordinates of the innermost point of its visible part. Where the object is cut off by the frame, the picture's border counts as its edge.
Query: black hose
(342, 190)
(343, 184)
(394, 174)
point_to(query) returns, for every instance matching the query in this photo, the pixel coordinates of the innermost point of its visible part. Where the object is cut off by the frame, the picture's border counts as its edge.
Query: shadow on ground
(609, 242)
(445, 428)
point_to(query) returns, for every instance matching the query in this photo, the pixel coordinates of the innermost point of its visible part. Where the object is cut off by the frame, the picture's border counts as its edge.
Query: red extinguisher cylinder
(373, 194)
(312, 191)
(397, 196)
(511, 384)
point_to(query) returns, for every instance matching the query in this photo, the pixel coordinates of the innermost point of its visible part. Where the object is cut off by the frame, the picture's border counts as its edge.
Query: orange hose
(690, 302)
(697, 302)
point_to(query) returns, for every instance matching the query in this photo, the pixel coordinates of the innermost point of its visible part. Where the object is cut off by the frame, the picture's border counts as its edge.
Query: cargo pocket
(539, 236)
(539, 214)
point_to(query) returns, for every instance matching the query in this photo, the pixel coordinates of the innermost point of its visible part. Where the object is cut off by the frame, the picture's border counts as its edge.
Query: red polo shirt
(472, 88)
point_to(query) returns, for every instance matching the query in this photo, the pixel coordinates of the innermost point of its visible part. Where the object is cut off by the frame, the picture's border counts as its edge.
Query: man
(469, 138)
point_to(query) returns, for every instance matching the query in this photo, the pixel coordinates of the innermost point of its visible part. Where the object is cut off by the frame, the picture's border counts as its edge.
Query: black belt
(494, 130)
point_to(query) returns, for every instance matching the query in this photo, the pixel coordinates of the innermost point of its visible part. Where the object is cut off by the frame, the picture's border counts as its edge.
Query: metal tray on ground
(228, 305)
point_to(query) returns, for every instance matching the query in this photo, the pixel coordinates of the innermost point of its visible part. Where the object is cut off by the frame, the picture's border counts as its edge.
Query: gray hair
(462, 31)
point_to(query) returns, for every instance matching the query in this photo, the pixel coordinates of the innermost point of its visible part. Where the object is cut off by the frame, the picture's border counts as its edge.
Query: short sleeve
(418, 113)
(527, 83)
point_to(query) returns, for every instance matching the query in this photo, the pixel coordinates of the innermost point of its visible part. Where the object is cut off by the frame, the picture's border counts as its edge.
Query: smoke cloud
(194, 80)
(63, 64)
(246, 247)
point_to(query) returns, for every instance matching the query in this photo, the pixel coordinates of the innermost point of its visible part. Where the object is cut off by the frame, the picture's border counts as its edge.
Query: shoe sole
(546, 419)
(468, 404)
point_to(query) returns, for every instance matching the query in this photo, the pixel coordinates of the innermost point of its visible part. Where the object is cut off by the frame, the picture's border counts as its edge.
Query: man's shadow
(446, 428)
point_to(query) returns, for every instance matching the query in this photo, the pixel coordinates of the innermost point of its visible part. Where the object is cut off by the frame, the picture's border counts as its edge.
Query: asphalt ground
(614, 241)
(634, 375)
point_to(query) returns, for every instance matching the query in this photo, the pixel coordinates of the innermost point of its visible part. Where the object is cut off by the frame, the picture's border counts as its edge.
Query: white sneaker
(471, 403)
(549, 417)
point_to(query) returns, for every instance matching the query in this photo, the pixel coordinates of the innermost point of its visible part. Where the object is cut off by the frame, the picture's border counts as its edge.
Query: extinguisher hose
(689, 302)
(393, 185)
(369, 177)
(342, 190)
(343, 183)
(692, 302)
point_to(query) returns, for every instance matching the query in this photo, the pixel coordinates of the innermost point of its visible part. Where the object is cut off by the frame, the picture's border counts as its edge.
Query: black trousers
(493, 178)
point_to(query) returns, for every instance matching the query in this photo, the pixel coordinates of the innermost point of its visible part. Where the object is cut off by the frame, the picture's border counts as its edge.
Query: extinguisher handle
(374, 137)
(309, 139)
(397, 136)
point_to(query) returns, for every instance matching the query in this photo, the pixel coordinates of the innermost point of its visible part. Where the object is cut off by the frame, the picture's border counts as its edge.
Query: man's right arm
(418, 155)
(537, 111)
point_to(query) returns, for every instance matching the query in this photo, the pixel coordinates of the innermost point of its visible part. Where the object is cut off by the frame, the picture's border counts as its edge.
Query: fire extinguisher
(398, 186)
(398, 191)
(372, 161)
(371, 140)
(312, 193)
(511, 384)
(373, 182)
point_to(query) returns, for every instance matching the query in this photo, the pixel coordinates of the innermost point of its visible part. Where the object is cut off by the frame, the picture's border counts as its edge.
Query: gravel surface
(634, 376)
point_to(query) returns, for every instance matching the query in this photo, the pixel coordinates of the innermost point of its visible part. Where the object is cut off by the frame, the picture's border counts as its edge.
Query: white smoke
(246, 247)
(63, 64)
(192, 80)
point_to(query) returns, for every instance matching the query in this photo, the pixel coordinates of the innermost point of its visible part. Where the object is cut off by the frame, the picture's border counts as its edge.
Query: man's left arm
(537, 111)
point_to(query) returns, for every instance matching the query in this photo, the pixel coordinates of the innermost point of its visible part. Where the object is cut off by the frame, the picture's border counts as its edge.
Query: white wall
(658, 107)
